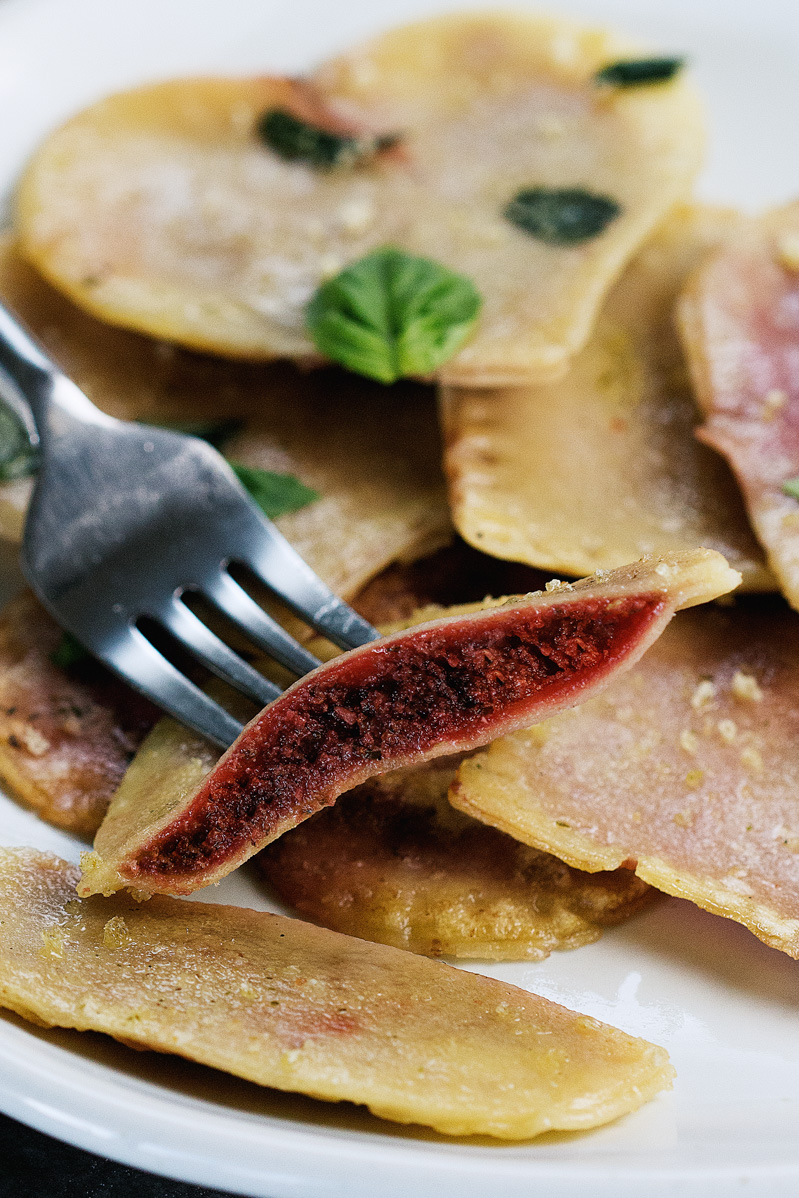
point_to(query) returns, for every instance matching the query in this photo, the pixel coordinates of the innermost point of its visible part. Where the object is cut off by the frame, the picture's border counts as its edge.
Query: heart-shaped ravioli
(210, 211)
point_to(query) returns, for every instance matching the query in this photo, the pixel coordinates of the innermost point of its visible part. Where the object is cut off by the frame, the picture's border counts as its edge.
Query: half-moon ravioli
(304, 1009)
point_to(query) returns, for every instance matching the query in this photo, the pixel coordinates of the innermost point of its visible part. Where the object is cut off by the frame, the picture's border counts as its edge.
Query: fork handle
(46, 390)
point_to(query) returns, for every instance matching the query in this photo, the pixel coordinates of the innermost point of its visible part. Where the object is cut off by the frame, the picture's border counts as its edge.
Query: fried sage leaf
(373, 456)
(392, 315)
(299, 141)
(438, 688)
(561, 215)
(303, 1009)
(160, 210)
(593, 470)
(638, 72)
(395, 863)
(739, 326)
(687, 766)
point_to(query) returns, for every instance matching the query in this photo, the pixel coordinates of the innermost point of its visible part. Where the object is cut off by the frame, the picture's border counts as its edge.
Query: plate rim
(38, 1092)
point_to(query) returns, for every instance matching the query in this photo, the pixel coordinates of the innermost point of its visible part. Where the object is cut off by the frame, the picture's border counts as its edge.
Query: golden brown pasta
(300, 1008)
(588, 472)
(685, 769)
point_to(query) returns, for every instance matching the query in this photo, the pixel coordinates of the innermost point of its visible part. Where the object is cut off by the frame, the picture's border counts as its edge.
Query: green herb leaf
(392, 315)
(69, 653)
(18, 458)
(562, 216)
(791, 487)
(639, 72)
(298, 141)
(275, 494)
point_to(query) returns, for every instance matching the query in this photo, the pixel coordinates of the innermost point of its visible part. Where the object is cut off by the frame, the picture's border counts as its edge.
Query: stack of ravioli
(448, 306)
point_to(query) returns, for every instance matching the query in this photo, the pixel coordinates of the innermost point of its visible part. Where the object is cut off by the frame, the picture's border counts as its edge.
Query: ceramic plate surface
(725, 1006)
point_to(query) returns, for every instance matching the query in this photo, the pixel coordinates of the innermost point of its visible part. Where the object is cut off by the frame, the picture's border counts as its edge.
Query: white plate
(723, 1004)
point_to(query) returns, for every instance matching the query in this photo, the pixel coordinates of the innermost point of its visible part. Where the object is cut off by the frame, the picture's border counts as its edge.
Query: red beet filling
(457, 685)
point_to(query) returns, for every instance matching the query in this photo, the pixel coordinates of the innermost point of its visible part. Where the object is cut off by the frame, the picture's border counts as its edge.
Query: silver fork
(126, 519)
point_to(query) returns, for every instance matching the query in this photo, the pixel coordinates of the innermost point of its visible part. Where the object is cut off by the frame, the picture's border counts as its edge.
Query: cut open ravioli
(162, 209)
(589, 472)
(685, 768)
(300, 1008)
(395, 863)
(67, 731)
(372, 453)
(740, 322)
(432, 689)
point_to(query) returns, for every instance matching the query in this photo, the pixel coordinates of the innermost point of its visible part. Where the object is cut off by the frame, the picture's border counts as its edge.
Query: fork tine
(124, 517)
(280, 567)
(148, 671)
(195, 636)
(233, 600)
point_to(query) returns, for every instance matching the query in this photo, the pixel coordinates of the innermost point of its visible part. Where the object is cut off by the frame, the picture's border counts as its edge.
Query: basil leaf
(639, 72)
(391, 315)
(561, 216)
(275, 494)
(69, 652)
(299, 141)
(18, 458)
(791, 487)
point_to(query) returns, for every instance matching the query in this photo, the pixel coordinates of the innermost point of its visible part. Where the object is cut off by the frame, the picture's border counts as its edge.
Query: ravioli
(740, 322)
(685, 769)
(591, 471)
(433, 689)
(399, 865)
(300, 1008)
(371, 453)
(65, 739)
(393, 862)
(162, 210)
(67, 735)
